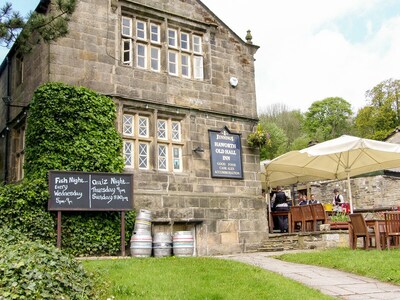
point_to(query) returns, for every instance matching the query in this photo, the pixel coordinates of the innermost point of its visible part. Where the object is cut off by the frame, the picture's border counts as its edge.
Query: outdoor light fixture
(7, 100)
(198, 149)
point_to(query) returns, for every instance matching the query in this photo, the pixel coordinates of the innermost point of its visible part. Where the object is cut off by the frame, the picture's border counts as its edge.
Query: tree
(382, 114)
(386, 95)
(328, 118)
(36, 27)
(290, 121)
(375, 122)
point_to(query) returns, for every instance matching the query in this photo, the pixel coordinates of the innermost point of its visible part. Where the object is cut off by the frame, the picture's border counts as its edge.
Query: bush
(31, 270)
(95, 233)
(23, 207)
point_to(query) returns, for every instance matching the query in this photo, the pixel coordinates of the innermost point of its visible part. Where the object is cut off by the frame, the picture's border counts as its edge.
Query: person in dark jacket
(279, 201)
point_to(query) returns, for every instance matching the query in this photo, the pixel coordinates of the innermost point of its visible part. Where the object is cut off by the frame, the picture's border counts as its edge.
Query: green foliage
(23, 207)
(330, 118)
(382, 115)
(340, 217)
(259, 138)
(71, 128)
(37, 27)
(278, 142)
(95, 233)
(31, 270)
(375, 122)
(290, 121)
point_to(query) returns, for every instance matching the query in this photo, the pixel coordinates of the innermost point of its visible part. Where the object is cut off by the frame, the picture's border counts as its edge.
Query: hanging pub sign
(226, 154)
(90, 191)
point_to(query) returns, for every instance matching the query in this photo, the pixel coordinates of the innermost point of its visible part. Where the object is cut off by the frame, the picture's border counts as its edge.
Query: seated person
(304, 200)
(312, 199)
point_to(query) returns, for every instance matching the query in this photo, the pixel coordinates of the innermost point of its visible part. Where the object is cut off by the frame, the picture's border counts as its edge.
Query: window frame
(141, 37)
(175, 38)
(162, 158)
(132, 154)
(124, 18)
(157, 34)
(173, 63)
(140, 155)
(197, 44)
(155, 59)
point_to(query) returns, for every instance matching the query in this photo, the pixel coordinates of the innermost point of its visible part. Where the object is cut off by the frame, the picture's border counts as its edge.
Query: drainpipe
(7, 101)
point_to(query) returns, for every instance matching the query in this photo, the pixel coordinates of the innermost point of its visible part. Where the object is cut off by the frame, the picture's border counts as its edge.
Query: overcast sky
(311, 49)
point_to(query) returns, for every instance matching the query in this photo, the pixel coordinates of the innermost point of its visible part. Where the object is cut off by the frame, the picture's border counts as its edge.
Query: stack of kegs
(141, 241)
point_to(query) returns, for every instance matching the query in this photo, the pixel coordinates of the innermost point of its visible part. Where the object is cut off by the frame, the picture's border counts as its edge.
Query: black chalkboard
(90, 191)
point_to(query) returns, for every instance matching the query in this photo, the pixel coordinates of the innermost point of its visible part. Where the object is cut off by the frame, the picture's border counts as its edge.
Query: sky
(310, 49)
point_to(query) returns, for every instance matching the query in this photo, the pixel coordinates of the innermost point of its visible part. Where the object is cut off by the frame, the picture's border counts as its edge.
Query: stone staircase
(280, 242)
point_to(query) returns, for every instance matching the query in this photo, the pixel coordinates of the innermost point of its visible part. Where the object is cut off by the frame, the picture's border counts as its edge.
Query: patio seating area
(377, 233)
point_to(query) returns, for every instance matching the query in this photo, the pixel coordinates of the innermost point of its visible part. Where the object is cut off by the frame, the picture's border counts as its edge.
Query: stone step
(280, 242)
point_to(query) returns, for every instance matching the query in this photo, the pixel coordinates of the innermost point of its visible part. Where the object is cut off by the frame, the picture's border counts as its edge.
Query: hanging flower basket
(258, 138)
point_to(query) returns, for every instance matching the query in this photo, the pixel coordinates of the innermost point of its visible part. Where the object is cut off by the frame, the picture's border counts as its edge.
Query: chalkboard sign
(90, 191)
(226, 154)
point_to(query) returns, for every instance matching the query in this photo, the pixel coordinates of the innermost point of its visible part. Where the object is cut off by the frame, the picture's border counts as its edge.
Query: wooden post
(59, 229)
(123, 233)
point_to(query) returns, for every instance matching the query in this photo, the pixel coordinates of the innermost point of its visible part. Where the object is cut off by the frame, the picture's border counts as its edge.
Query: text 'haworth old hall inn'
(183, 85)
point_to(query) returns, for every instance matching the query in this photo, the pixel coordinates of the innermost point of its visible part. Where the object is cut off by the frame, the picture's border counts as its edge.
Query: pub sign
(226, 154)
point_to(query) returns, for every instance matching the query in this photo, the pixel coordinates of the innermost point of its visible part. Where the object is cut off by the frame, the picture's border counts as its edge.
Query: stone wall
(367, 192)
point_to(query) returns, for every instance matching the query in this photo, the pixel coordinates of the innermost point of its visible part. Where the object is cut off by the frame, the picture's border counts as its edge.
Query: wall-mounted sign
(90, 191)
(226, 154)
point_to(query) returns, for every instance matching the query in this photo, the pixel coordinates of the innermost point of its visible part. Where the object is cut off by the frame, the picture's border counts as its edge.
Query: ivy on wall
(69, 128)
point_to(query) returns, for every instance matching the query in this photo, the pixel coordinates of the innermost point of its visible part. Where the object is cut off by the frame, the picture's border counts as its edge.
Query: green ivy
(68, 128)
(71, 128)
(31, 270)
(23, 207)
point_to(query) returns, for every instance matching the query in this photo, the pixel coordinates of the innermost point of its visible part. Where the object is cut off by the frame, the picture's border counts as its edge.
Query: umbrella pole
(270, 223)
(350, 196)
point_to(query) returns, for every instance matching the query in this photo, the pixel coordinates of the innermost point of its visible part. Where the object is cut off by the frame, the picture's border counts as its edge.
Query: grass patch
(195, 278)
(381, 265)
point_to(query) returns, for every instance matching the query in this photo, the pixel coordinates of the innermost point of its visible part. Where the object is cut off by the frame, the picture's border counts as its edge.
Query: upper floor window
(155, 33)
(172, 38)
(184, 41)
(197, 48)
(141, 30)
(142, 42)
(126, 26)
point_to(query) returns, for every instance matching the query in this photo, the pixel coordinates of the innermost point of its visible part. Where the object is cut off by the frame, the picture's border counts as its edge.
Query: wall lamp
(7, 102)
(198, 149)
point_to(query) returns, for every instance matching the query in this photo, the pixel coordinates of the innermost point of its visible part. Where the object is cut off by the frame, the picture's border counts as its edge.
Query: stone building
(183, 84)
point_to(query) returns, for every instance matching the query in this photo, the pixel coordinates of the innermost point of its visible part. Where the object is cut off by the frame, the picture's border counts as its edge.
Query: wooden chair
(308, 218)
(297, 218)
(319, 214)
(360, 229)
(392, 227)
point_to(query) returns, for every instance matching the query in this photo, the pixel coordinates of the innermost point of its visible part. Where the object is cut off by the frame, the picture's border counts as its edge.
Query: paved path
(331, 282)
